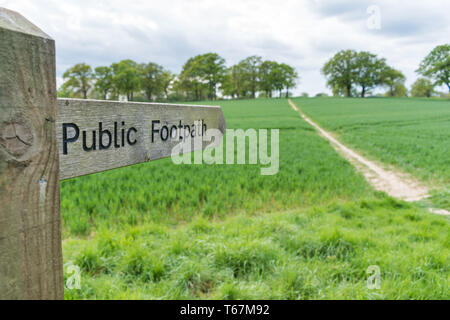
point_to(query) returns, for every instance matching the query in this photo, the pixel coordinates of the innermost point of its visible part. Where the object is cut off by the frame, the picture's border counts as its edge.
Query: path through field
(395, 184)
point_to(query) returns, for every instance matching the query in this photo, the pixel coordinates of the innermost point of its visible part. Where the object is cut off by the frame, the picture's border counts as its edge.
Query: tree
(126, 77)
(78, 80)
(422, 88)
(166, 80)
(251, 71)
(339, 91)
(341, 71)
(348, 70)
(103, 81)
(398, 90)
(369, 70)
(436, 65)
(212, 69)
(178, 91)
(228, 85)
(267, 74)
(234, 82)
(277, 76)
(394, 80)
(203, 71)
(64, 92)
(190, 81)
(151, 79)
(290, 77)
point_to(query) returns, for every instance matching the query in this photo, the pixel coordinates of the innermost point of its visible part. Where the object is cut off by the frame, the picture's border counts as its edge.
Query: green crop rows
(411, 134)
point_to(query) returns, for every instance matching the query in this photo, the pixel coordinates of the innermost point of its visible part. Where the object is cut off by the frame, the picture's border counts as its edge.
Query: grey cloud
(415, 25)
(398, 19)
(345, 9)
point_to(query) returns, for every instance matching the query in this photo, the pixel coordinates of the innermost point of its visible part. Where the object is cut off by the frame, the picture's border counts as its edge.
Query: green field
(161, 231)
(311, 173)
(410, 134)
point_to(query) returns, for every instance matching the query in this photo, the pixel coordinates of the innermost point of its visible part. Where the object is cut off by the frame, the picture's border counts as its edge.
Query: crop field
(410, 134)
(311, 173)
(165, 231)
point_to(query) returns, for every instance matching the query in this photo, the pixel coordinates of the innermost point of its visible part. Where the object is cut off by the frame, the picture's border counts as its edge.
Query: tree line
(201, 78)
(350, 73)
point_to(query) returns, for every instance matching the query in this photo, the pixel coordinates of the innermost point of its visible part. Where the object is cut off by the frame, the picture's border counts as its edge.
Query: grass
(318, 253)
(160, 231)
(410, 134)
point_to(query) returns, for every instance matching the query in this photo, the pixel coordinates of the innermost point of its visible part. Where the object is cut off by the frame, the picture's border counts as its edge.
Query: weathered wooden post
(30, 220)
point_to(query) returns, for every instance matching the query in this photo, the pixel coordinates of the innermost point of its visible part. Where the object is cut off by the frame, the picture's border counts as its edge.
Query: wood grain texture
(88, 114)
(30, 222)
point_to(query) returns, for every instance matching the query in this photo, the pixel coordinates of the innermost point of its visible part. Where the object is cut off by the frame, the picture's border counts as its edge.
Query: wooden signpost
(44, 140)
(95, 136)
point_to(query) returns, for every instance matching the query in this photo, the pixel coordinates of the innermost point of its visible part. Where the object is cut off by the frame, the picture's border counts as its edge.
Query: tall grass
(318, 253)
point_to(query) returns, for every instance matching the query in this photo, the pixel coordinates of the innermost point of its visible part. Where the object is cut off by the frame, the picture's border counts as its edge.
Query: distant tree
(179, 92)
(249, 75)
(78, 80)
(228, 88)
(151, 79)
(348, 70)
(65, 92)
(204, 69)
(436, 65)
(269, 77)
(103, 81)
(305, 94)
(321, 94)
(234, 82)
(339, 91)
(251, 71)
(277, 77)
(398, 90)
(394, 80)
(369, 70)
(422, 88)
(191, 83)
(290, 77)
(166, 80)
(126, 78)
(341, 71)
(212, 68)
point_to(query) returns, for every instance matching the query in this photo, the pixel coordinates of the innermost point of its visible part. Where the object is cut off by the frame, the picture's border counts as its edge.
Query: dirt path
(395, 184)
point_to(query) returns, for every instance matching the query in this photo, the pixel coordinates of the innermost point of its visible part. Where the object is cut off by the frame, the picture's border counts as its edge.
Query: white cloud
(302, 33)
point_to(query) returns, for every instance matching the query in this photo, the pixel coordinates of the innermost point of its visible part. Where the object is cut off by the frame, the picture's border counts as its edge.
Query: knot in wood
(16, 138)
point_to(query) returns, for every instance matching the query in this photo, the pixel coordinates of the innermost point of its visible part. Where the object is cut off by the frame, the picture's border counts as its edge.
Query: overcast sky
(302, 33)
